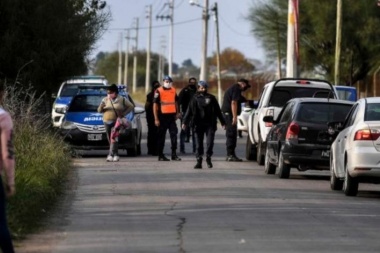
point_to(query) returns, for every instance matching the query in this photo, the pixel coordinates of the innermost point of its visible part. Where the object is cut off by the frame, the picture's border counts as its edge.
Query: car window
(351, 116)
(85, 103)
(321, 113)
(286, 113)
(372, 112)
(71, 89)
(261, 97)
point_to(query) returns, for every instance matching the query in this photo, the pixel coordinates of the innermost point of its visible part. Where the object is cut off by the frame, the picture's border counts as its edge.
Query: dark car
(302, 134)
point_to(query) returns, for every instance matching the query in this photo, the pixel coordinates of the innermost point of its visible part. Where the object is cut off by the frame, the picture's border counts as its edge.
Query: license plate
(325, 153)
(94, 137)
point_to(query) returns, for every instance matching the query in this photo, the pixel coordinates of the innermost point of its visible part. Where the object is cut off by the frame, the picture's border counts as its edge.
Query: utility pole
(215, 10)
(171, 18)
(126, 59)
(147, 75)
(203, 74)
(292, 42)
(161, 63)
(135, 58)
(120, 65)
(338, 41)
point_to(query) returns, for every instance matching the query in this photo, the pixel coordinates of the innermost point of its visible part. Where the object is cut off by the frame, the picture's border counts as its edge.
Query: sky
(234, 29)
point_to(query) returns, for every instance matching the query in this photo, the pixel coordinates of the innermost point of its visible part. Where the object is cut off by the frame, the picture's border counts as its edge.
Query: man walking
(203, 113)
(184, 98)
(166, 112)
(231, 109)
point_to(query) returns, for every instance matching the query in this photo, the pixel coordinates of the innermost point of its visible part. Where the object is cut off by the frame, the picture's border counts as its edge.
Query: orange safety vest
(167, 98)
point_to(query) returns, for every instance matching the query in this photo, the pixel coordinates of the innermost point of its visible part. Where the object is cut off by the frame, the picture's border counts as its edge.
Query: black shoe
(182, 152)
(208, 161)
(176, 158)
(233, 158)
(199, 163)
(163, 158)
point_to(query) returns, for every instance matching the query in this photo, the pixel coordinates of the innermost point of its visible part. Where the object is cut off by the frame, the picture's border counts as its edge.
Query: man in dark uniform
(166, 112)
(231, 109)
(152, 128)
(203, 113)
(184, 98)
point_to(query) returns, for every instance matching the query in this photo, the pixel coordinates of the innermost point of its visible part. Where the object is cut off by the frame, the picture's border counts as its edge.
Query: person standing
(184, 98)
(113, 106)
(152, 128)
(8, 166)
(166, 112)
(202, 113)
(231, 109)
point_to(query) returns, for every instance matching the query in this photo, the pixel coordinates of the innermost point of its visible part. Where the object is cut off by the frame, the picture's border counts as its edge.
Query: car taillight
(293, 131)
(367, 135)
(269, 112)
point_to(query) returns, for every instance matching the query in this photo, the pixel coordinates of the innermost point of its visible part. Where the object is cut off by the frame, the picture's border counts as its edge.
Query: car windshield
(322, 112)
(85, 103)
(71, 89)
(372, 112)
(281, 95)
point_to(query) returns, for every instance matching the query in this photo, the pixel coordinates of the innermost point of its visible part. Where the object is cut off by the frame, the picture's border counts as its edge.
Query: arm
(234, 105)
(102, 105)
(188, 115)
(7, 152)
(219, 113)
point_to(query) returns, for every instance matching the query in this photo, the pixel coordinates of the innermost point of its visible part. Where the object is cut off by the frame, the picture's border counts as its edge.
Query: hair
(113, 87)
(192, 78)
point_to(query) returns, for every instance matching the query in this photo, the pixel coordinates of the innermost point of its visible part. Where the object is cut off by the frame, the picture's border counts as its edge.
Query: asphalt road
(142, 205)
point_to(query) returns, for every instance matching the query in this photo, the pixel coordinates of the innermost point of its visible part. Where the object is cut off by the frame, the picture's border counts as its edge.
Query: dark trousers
(6, 245)
(184, 134)
(231, 135)
(167, 122)
(114, 147)
(152, 138)
(200, 132)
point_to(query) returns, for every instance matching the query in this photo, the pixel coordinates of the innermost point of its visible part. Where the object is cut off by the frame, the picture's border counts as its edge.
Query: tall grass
(42, 161)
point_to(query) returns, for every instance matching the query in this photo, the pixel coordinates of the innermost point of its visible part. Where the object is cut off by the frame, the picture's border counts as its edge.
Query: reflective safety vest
(167, 98)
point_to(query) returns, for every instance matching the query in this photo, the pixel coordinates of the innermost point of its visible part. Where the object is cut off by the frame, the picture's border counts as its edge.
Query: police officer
(203, 112)
(184, 98)
(152, 128)
(231, 109)
(166, 112)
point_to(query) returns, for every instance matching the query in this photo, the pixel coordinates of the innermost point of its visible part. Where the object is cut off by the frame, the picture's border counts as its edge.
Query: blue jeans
(5, 237)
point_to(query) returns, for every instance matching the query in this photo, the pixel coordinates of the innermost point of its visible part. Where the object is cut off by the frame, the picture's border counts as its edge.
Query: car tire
(350, 184)
(259, 156)
(250, 150)
(269, 167)
(335, 183)
(283, 168)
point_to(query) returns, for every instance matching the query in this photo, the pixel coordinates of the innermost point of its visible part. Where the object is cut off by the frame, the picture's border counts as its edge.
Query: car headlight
(60, 108)
(68, 125)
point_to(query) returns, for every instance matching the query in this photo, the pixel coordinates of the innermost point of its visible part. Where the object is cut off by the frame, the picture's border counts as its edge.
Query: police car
(68, 89)
(82, 126)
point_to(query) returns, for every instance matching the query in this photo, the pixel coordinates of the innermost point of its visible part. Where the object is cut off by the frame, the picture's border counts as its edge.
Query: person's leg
(6, 245)
(182, 136)
(108, 128)
(173, 131)
(161, 136)
(210, 133)
(193, 139)
(199, 132)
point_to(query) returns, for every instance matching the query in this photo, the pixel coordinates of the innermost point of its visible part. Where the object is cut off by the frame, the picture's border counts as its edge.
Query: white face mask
(167, 85)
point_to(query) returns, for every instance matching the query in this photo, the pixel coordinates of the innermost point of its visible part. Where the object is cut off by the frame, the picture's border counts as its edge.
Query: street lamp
(203, 74)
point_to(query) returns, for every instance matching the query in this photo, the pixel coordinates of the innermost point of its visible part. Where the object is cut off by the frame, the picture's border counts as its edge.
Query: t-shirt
(232, 93)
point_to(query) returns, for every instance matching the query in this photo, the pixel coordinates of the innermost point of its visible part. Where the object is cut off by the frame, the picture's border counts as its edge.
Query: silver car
(355, 153)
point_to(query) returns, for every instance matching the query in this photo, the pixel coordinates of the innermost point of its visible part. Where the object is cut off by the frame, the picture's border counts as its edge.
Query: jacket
(120, 103)
(167, 100)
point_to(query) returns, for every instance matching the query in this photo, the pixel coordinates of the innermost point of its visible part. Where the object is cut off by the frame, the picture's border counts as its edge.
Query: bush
(42, 162)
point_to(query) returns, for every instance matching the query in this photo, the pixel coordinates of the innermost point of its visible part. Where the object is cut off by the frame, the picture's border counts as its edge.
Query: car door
(258, 115)
(341, 140)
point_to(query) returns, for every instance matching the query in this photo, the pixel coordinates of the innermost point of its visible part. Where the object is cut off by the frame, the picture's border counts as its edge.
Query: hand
(179, 115)
(10, 190)
(224, 127)
(157, 122)
(183, 126)
(234, 120)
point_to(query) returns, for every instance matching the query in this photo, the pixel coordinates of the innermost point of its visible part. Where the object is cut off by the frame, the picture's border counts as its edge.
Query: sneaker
(233, 158)
(109, 158)
(116, 158)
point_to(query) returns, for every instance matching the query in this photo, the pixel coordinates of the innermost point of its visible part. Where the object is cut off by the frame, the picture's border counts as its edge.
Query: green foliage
(46, 41)
(42, 162)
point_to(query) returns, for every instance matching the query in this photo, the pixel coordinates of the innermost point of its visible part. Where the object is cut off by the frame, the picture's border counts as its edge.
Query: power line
(159, 26)
(233, 30)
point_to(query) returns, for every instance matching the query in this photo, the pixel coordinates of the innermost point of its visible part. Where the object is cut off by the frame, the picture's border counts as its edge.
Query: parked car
(67, 90)
(83, 128)
(246, 110)
(273, 97)
(347, 93)
(302, 134)
(355, 153)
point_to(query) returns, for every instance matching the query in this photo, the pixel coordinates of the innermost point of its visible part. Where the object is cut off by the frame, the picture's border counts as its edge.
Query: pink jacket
(7, 162)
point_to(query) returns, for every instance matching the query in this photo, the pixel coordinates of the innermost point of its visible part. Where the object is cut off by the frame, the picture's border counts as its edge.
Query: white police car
(82, 126)
(68, 89)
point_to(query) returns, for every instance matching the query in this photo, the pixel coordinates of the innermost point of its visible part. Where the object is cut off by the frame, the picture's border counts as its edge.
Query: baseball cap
(167, 78)
(204, 84)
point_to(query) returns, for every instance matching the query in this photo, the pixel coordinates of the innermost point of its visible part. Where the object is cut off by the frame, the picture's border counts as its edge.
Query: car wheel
(269, 167)
(335, 183)
(350, 185)
(250, 150)
(284, 169)
(260, 157)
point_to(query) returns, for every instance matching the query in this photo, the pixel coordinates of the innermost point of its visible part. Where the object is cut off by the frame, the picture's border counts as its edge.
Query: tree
(43, 42)
(317, 35)
(232, 60)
